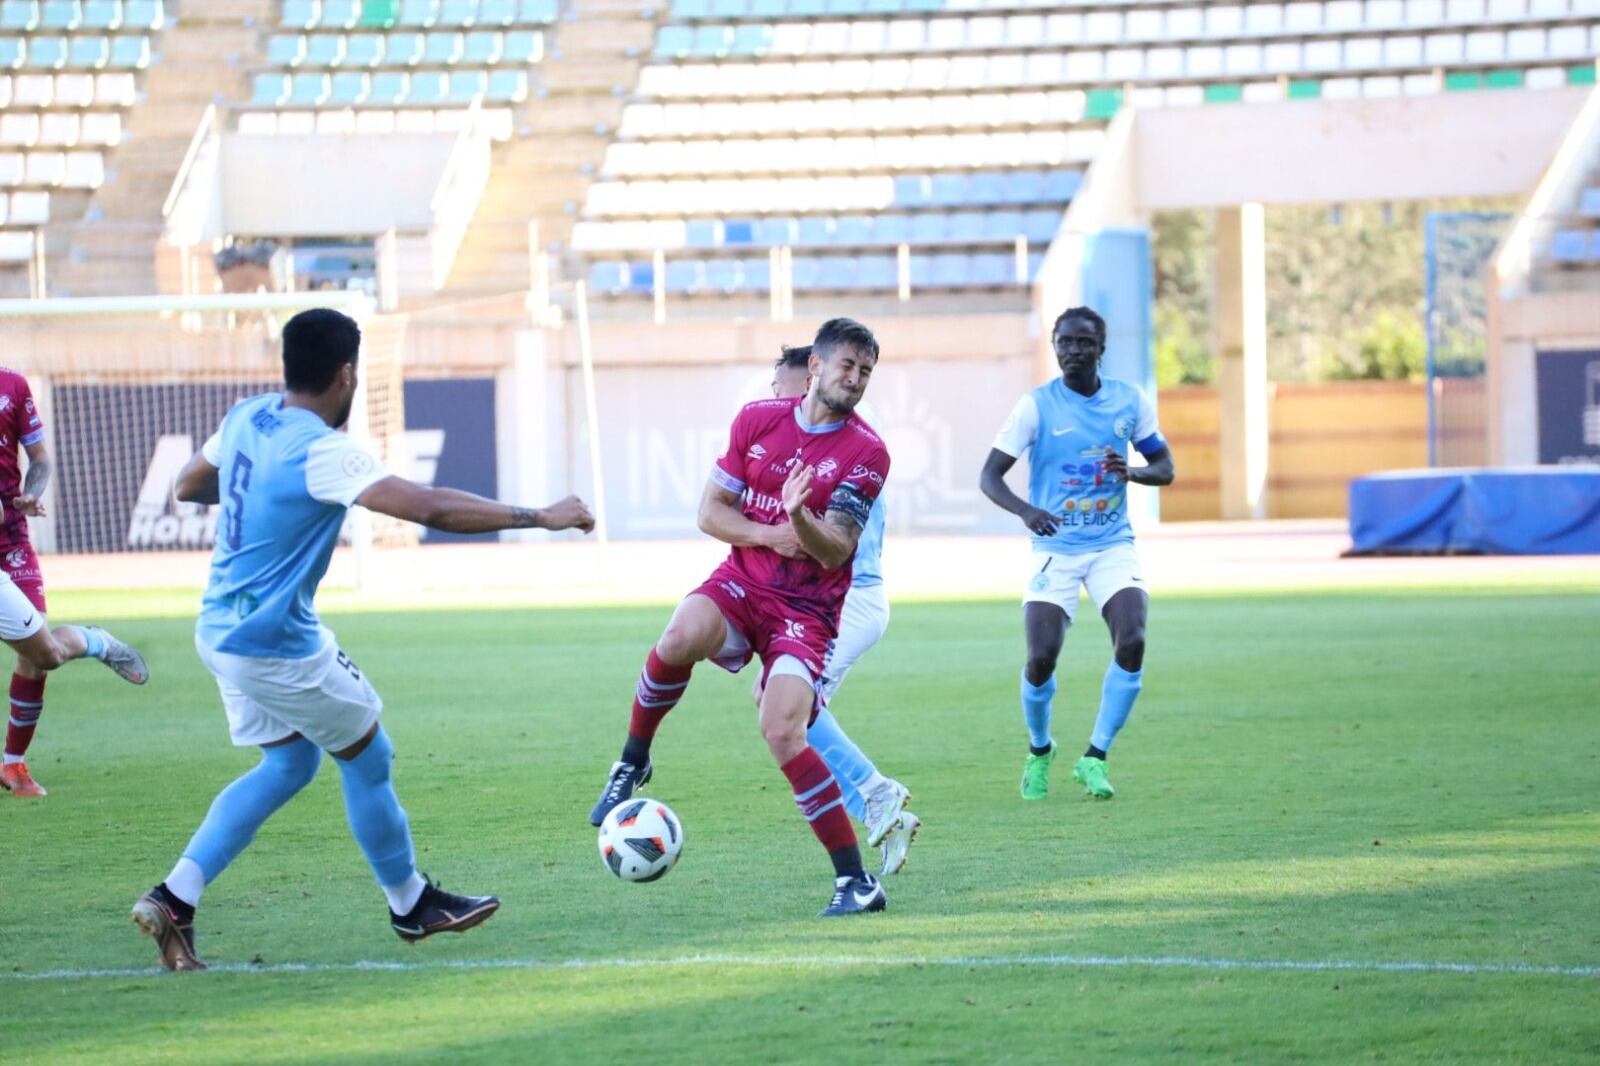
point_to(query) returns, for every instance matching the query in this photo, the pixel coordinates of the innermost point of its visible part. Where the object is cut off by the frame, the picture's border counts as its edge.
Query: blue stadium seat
(807, 8)
(965, 227)
(835, 272)
(911, 190)
(949, 271)
(270, 89)
(308, 90)
(921, 271)
(324, 50)
(884, 7)
(891, 229)
(1569, 246)
(608, 277)
(1024, 187)
(852, 229)
(924, 5)
(49, 53)
(992, 269)
(702, 233)
(349, 88)
(93, 52)
(1040, 226)
(777, 231)
(143, 15)
(428, 87)
(19, 15)
(389, 87)
(728, 9)
(767, 9)
(877, 272)
(523, 46)
(684, 10)
(752, 39)
(986, 188)
(815, 230)
(803, 273)
(723, 275)
(297, 14)
(286, 50)
(420, 13)
(363, 50)
(641, 277)
(130, 53)
(11, 52)
(482, 48)
(948, 190)
(1061, 185)
(737, 231)
(685, 275)
(102, 15)
(1589, 202)
(1002, 225)
(927, 227)
(403, 49)
(756, 275)
(467, 85)
(846, 7)
(339, 14)
(508, 86)
(457, 12)
(538, 12)
(443, 49)
(713, 40)
(61, 15)
(497, 12)
(1035, 261)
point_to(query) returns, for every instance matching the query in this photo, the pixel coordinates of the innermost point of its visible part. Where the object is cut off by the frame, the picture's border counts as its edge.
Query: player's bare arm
(831, 541)
(1158, 468)
(455, 511)
(993, 483)
(30, 501)
(198, 482)
(720, 517)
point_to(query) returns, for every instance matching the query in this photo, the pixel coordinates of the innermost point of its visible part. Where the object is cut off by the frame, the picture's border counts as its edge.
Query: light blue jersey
(868, 566)
(286, 480)
(1067, 435)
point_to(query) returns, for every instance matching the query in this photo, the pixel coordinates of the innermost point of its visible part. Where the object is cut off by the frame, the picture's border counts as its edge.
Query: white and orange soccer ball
(640, 839)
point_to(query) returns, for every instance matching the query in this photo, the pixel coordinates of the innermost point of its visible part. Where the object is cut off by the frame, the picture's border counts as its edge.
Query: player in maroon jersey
(39, 648)
(791, 495)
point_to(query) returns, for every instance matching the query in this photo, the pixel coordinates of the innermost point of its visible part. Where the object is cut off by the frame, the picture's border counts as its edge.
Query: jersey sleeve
(858, 490)
(211, 450)
(30, 427)
(1147, 436)
(728, 470)
(1021, 428)
(338, 470)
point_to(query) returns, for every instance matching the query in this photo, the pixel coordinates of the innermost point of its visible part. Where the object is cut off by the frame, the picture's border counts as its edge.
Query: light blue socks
(241, 808)
(1036, 709)
(1117, 694)
(848, 763)
(376, 818)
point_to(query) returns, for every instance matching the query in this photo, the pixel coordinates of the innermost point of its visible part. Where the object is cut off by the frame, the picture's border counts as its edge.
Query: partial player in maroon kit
(791, 495)
(22, 608)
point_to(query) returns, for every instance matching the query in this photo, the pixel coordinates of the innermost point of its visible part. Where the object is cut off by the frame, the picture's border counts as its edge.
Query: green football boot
(1036, 774)
(1091, 774)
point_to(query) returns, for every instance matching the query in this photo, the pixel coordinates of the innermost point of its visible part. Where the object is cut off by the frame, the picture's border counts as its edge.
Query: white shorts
(862, 621)
(19, 619)
(1057, 578)
(323, 698)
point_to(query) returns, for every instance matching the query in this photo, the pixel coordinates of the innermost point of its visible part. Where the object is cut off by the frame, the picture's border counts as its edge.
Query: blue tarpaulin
(1542, 510)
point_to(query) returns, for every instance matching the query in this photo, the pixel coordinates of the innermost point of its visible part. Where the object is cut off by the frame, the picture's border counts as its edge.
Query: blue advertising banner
(450, 441)
(1569, 407)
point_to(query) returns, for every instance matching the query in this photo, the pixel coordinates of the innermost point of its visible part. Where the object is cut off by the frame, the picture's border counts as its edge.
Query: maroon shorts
(23, 568)
(774, 626)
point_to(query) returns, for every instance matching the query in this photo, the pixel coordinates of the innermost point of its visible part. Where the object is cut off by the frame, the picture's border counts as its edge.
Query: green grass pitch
(1361, 778)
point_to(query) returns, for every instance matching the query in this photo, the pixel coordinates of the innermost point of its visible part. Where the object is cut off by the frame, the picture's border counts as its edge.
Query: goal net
(128, 388)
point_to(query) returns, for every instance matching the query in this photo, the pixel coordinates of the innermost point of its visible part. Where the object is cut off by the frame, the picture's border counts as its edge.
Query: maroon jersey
(20, 426)
(850, 462)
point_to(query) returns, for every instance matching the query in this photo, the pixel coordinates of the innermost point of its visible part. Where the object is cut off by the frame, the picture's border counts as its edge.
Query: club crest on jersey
(1123, 427)
(827, 468)
(794, 630)
(5, 403)
(16, 558)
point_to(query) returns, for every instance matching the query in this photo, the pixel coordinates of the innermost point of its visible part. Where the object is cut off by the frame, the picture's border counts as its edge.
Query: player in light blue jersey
(1076, 430)
(876, 801)
(284, 478)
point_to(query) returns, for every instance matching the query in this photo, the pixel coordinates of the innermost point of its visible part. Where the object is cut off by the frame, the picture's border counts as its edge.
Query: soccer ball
(640, 839)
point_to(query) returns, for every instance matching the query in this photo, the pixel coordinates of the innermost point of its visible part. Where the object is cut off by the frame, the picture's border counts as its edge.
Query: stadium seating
(854, 124)
(68, 74)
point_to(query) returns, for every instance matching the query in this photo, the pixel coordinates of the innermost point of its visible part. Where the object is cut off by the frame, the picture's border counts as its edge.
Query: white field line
(844, 962)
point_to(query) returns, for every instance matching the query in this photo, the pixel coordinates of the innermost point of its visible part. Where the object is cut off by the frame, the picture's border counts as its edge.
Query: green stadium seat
(89, 53)
(538, 12)
(286, 50)
(457, 13)
(443, 49)
(325, 50)
(508, 86)
(483, 48)
(350, 88)
(403, 50)
(48, 53)
(270, 89)
(389, 87)
(363, 50)
(428, 88)
(19, 15)
(497, 12)
(102, 15)
(308, 90)
(61, 15)
(297, 14)
(418, 12)
(378, 14)
(467, 85)
(143, 15)
(524, 46)
(339, 14)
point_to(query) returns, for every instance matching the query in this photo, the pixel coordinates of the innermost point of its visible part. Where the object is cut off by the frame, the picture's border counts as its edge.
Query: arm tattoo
(525, 518)
(37, 478)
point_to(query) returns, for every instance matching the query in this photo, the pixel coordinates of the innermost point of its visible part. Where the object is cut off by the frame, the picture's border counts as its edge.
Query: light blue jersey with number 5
(1066, 435)
(286, 479)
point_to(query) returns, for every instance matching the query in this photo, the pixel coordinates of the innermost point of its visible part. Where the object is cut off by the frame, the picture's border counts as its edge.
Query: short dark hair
(797, 357)
(844, 332)
(1088, 314)
(316, 343)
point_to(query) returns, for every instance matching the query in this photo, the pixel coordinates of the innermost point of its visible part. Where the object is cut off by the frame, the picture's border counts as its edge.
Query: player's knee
(1039, 668)
(784, 739)
(1130, 650)
(680, 645)
(297, 763)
